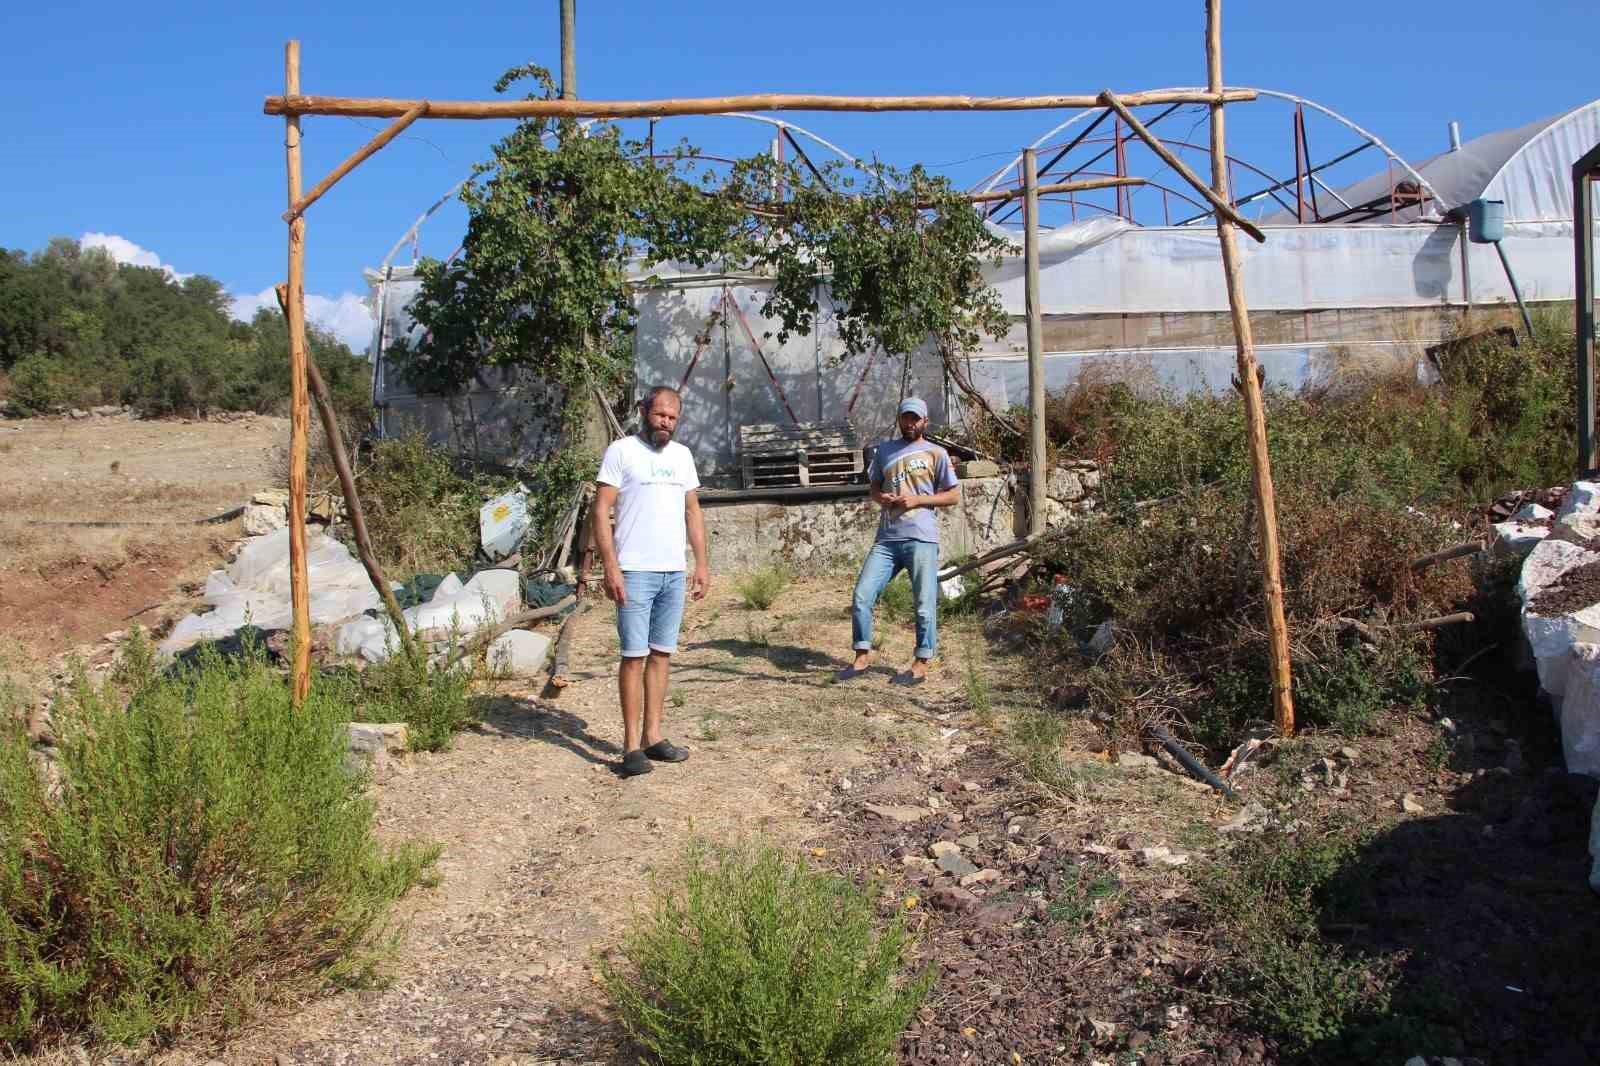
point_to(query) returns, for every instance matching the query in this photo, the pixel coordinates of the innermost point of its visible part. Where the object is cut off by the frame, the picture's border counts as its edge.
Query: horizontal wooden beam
(372, 107)
(1064, 186)
(357, 157)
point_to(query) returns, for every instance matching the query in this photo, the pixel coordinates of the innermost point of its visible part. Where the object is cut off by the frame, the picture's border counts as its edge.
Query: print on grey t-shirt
(918, 468)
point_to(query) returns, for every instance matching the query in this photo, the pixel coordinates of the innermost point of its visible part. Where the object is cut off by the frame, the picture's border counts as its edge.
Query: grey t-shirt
(918, 468)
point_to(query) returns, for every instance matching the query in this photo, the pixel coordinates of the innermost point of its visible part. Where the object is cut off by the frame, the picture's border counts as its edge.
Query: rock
(974, 468)
(843, 784)
(1056, 513)
(1132, 760)
(1252, 819)
(1162, 856)
(1101, 1032)
(900, 815)
(520, 653)
(980, 877)
(1129, 842)
(1349, 754)
(954, 899)
(1579, 528)
(1578, 711)
(968, 841)
(1582, 498)
(1416, 1060)
(1411, 805)
(1532, 512)
(1090, 478)
(943, 847)
(78, 412)
(271, 497)
(371, 737)
(259, 519)
(1063, 485)
(1518, 538)
(955, 864)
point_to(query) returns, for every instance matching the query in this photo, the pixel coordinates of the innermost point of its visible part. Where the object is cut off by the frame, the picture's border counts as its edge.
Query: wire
(402, 137)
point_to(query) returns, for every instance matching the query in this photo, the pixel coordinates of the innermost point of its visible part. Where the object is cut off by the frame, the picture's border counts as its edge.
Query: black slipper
(665, 750)
(635, 763)
(908, 679)
(849, 673)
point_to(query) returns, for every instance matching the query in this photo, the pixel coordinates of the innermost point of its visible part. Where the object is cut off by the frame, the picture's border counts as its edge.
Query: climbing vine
(564, 213)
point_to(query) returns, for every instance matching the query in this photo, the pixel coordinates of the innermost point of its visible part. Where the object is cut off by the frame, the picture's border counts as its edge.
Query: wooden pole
(299, 401)
(1219, 203)
(380, 107)
(1063, 186)
(358, 157)
(1030, 244)
(352, 500)
(1250, 388)
(569, 50)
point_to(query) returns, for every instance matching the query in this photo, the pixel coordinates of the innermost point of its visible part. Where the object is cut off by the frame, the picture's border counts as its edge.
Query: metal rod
(1516, 290)
(1583, 247)
(1036, 472)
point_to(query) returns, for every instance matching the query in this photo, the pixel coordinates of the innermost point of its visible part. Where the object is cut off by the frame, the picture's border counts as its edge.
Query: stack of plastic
(455, 610)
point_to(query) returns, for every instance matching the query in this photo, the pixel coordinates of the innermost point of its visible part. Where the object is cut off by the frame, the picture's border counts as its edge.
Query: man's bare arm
(605, 498)
(696, 521)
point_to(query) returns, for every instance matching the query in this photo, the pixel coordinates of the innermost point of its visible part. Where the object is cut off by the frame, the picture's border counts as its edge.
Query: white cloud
(344, 315)
(125, 251)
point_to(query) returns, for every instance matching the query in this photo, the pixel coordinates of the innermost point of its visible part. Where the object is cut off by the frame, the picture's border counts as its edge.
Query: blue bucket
(1486, 221)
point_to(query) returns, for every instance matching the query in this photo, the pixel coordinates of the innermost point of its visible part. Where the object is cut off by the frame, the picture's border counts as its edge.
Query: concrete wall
(834, 534)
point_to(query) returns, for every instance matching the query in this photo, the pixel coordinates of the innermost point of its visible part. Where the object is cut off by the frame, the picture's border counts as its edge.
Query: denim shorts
(648, 620)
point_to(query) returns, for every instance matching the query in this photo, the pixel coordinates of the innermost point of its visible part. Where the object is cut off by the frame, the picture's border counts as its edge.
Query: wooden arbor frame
(292, 105)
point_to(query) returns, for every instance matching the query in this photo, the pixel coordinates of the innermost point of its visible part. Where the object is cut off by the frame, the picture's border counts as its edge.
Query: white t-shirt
(651, 532)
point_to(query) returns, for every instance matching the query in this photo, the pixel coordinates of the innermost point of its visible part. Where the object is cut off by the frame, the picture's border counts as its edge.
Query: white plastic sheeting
(255, 590)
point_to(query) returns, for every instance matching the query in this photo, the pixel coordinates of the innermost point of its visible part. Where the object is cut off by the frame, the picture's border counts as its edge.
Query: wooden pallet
(811, 454)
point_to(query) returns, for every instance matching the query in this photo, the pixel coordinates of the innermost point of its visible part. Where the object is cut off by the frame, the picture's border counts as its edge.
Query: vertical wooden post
(569, 49)
(1250, 388)
(299, 395)
(1030, 252)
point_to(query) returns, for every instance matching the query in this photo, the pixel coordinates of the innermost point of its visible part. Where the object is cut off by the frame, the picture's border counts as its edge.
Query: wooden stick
(293, 103)
(1030, 288)
(360, 156)
(1045, 190)
(484, 637)
(1220, 203)
(352, 500)
(1255, 413)
(562, 654)
(1458, 618)
(1471, 547)
(299, 400)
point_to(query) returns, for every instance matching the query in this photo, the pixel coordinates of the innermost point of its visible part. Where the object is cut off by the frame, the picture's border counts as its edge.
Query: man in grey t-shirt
(909, 476)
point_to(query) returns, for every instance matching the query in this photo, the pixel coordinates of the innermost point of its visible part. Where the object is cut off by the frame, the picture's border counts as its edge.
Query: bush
(207, 849)
(753, 958)
(434, 704)
(40, 384)
(760, 587)
(422, 506)
(897, 602)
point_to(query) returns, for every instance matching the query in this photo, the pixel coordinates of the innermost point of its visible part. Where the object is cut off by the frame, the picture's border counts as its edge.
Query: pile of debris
(1560, 593)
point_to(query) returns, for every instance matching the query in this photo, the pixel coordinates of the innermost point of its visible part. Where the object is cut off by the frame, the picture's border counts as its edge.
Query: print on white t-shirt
(651, 485)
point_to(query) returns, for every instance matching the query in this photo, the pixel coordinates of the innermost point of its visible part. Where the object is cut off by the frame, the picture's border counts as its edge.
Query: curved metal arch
(416, 227)
(1371, 138)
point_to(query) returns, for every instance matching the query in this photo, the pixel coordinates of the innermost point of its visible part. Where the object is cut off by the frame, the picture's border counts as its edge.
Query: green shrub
(41, 383)
(754, 958)
(434, 704)
(207, 850)
(898, 603)
(760, 587)
(422, 506)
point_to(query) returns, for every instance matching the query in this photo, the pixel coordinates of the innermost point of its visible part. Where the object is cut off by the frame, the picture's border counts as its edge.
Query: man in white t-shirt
(651, 480)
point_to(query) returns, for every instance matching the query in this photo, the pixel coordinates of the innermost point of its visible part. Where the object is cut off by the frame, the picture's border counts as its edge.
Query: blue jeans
(886, 559)
(648, 619)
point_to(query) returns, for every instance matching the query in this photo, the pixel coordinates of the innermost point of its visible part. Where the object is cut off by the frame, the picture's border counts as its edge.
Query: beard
(911, 435)
(657, 438)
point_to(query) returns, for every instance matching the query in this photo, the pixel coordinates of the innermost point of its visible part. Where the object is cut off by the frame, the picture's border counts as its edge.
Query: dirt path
(546, 849)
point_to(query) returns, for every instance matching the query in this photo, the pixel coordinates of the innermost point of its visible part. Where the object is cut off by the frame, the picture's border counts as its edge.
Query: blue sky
(139, 126)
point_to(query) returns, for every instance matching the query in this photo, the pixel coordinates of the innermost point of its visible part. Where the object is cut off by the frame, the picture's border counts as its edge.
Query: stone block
(1063, 485)
(370, 737)
(1579, 528)
(976, 468)
(260, 519)
(518, 653)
